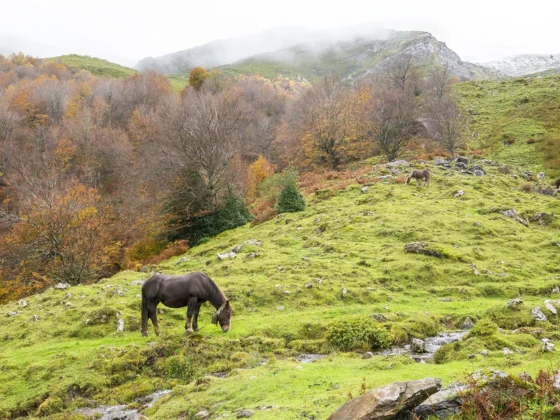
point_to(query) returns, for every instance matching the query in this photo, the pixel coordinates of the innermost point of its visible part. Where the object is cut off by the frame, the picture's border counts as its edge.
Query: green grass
(514, 111)
(96, 66)
(59, 362)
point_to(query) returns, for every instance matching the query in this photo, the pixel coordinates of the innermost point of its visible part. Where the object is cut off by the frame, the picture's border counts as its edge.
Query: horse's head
(223, 316)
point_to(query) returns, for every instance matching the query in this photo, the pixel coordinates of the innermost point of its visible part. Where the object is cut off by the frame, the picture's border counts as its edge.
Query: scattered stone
(181, 261)
(398, 163)
(308, 285)
(514, 303)
(445, 300)
(226, 255)
(541, 176)
(22, 303)
(137, 282)
(418, 346)
(462, 159)
(547, 345)
(35, 318)
(479, 172)
(543, 219)
(392, 401)
(68, 295)
(62, 286)
(344, 291)
(319, 281)
(459, 193)
(471, 356)
(252, 255)
(11, 313)
(548, 305)
(489, 376)
(538, 315)
(379, 317)
(441, 162)
(299, 367)
(68, 304)
(484, 353)
(120, 324)
(237, 249)
(556, 289)
(280, 308)
(287, 292)
(304, 259)
(507, 351)
(88, 321)
(467, 324)
(367, 355)
(550, 191)
(138, 296)
(243, 414)
(204, 414)
(364, 189)
(513, 214)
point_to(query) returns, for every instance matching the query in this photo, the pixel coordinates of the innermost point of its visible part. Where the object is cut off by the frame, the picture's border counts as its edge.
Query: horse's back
(174, 291)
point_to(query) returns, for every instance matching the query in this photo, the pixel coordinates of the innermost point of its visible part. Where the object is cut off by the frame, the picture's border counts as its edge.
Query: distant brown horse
(419, 175)
(190, 290)
(557, 183)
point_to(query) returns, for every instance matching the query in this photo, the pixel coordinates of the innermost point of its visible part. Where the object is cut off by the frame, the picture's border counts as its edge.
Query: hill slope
(284, 297)
(358, 56)
(527, 64)
(96, 66)
(516, 120)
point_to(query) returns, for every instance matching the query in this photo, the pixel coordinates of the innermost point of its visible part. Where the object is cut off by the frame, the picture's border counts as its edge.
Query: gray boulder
(548, 305)
(538, 315)
(62, 286)
(444, 403)
(547, 345)
(243, 414)
(395, 400)
(461, 159)
(418, 346)
(514, 303)
(467, 324)
(513, 214)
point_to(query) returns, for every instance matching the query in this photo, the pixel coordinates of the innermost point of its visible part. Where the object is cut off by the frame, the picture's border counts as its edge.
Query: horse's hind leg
(152, 312)
(190, 312)
(195, 320)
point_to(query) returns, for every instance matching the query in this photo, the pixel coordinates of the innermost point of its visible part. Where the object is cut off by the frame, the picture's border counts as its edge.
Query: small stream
(431, 344)
(121, 412)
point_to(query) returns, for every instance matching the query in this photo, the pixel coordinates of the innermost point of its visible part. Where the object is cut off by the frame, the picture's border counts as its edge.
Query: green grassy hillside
(286, 296)
(104, 68)
(507, 114)
(96, 66)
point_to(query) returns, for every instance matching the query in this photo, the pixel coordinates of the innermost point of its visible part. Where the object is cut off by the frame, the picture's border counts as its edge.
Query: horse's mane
(216, 288)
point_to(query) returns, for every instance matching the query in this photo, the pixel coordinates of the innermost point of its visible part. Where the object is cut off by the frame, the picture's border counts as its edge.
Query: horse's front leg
(195, 321)
(190, 312)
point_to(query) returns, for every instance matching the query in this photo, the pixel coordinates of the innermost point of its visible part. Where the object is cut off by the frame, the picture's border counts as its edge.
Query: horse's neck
(217, 299)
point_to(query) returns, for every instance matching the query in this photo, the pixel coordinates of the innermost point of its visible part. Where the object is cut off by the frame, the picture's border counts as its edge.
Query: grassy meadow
(287, 292)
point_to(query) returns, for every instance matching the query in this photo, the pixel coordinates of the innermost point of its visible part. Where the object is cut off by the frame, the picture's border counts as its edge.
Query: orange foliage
(258, 172)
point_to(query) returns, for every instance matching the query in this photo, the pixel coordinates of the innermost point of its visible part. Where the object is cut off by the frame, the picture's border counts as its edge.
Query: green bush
(483, 327)
(358, 333)
(290, 199)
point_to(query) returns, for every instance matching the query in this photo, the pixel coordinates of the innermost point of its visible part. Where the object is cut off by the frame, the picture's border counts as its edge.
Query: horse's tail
(145, 313)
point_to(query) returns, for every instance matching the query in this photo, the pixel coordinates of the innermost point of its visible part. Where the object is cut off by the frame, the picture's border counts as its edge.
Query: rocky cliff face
(523, 65)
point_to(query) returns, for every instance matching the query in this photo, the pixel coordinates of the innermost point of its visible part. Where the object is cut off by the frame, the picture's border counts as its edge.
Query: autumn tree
(392, 114)
(197, 76)
(402, 72)
(258, 172)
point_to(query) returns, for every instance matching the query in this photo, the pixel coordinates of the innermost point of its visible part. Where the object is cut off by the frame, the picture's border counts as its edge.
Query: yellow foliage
(258, 171)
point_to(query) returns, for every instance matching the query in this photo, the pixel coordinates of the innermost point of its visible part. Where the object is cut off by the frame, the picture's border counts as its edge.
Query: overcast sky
(127, 30)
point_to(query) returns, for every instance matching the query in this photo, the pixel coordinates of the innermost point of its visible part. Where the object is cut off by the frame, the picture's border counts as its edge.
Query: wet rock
(444, 403)
(467, 324)
(62, 286)
(244, 414)
(417, 345)
(364, 189)
(547, 345)
(507, 351)
(459, 193)
(513, 214)
(514, 303)
(379, 317)
(538, 315)
(367, 355)
(392, 401)
(550, 307)
(462, 159)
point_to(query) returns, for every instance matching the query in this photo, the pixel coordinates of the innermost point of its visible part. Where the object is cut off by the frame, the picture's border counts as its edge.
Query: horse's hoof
(190, 330)
(144, 334)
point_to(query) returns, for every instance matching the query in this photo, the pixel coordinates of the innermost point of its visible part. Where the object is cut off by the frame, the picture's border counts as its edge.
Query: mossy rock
(103, 315)
(511, 318)
(50, 406)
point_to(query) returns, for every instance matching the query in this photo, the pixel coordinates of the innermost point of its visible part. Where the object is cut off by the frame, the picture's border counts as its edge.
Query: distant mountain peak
(526, 64)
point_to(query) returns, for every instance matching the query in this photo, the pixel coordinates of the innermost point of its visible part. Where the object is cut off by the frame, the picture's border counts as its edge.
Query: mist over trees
(98, 175)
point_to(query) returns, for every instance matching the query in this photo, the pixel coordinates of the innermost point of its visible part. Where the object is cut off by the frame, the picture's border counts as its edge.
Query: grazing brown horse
(190, 290)
(557, 183)
(418, 175)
